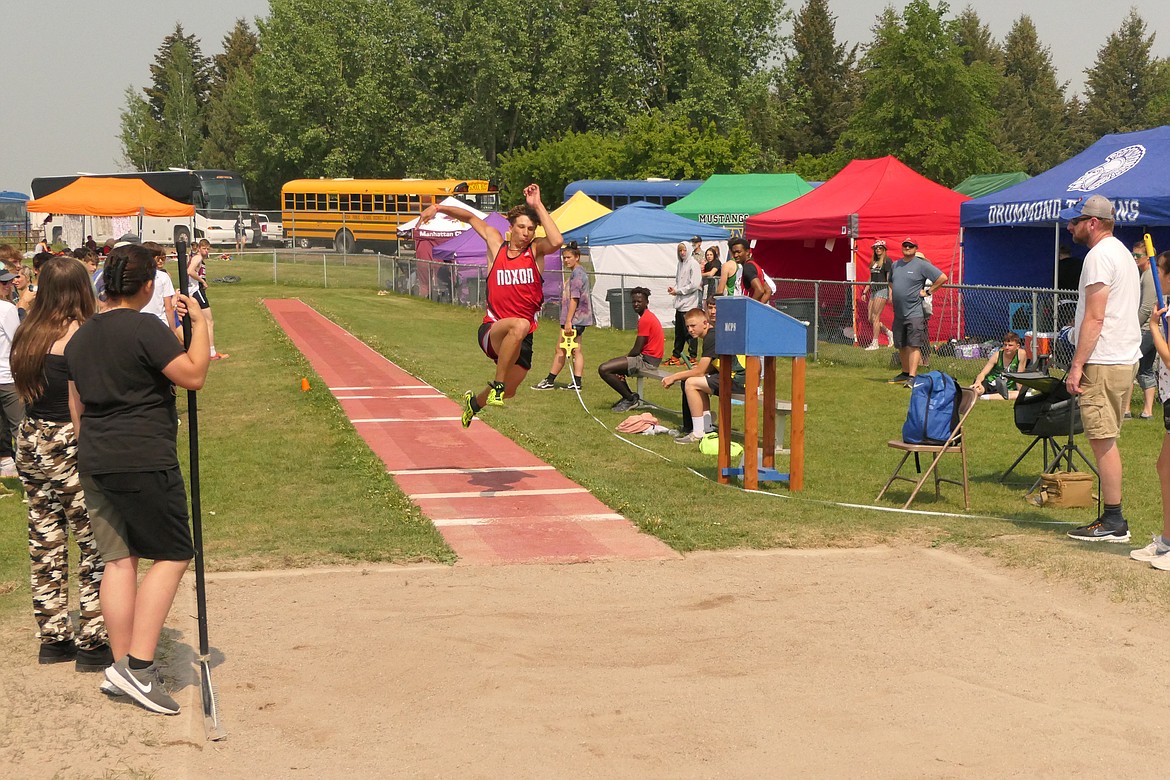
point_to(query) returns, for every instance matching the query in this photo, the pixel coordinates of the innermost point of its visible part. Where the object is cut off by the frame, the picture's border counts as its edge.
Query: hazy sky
(67, 64)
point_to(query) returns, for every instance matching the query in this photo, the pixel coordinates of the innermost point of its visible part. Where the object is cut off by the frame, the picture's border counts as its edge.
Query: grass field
(287, 482)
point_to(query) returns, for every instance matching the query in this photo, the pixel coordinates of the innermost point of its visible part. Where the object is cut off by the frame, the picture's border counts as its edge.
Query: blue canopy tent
(1013, 237)
(634, 246)
(13, 214)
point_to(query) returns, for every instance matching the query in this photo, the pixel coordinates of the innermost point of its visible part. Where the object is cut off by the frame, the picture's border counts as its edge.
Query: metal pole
(1035, 317)
(325, 267)
(816, 323)
(274, 266)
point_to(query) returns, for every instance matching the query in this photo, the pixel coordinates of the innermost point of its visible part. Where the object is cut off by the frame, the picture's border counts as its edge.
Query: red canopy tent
(817, 235)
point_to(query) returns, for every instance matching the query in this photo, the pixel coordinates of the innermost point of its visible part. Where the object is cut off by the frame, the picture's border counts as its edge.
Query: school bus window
(399, 203)
(333, 201)
(427, 200)
(414, 206)
(299, 200)
(367, 203)
(379, 203)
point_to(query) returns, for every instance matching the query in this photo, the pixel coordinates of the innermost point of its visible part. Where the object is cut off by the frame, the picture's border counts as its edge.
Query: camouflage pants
(46, 456)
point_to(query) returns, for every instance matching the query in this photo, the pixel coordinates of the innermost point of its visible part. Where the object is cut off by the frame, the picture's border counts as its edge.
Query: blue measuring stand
(744, 326)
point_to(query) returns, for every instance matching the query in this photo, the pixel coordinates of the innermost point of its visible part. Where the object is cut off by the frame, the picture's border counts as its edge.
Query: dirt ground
(882, 662)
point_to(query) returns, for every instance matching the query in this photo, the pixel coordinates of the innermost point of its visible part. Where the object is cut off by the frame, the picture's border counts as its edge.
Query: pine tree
(178, 47)
(818, 82)
(240, 46)
(1123, 84)
(1031, 103)
(975, 39)
(921, 103)
(231, 102)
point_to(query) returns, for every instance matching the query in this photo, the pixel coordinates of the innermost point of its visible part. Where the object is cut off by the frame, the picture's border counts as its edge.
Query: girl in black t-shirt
(711, 268)
(123, 368)
(46, 457)
(878, 292)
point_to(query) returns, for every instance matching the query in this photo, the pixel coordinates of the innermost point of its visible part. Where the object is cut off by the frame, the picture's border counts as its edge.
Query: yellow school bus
(352, 214)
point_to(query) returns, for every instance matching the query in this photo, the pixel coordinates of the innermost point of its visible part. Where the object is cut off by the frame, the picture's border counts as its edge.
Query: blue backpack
(934, 409)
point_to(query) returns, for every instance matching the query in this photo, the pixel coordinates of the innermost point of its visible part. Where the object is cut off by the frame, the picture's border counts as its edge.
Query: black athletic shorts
(139, 514)
(200, 296)
(524, 359)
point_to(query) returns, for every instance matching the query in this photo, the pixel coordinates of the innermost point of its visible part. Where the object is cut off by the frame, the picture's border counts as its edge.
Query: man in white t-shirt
(1108, 346)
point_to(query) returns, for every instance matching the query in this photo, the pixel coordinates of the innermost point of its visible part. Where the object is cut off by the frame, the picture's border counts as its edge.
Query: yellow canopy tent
(575, 212)
(95, 196)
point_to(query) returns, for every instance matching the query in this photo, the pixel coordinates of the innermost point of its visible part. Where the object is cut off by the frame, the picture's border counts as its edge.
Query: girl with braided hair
(123, 369)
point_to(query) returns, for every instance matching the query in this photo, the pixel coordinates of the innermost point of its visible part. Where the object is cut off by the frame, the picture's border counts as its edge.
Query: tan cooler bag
(1065, 490)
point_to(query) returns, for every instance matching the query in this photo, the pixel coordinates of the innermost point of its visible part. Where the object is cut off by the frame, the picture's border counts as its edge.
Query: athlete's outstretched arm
(486, 232)
(553, 238)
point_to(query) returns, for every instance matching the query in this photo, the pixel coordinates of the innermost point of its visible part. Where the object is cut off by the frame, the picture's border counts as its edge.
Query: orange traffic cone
(304, 385)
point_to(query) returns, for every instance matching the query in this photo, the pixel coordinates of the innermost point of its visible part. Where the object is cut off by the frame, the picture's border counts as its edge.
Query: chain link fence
(846, 327)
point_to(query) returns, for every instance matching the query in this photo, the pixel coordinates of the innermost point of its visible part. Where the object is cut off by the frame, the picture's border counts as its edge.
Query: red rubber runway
(492, 500)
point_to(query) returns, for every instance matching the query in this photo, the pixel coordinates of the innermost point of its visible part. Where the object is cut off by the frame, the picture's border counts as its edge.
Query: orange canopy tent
(95, 196)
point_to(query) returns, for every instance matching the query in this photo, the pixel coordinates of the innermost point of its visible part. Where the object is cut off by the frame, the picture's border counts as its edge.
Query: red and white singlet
(514, 287)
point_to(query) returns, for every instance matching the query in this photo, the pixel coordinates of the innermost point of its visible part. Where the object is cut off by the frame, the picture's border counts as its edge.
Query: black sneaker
(94, 659)
(626, 404)
(900, 379)
(1101, 531)
(909, 383)
(57, 652)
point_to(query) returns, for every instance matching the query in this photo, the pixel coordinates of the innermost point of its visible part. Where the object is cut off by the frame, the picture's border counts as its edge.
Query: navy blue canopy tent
(1011, 237)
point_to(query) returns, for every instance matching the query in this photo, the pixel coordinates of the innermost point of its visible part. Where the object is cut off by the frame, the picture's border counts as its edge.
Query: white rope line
(822, 502)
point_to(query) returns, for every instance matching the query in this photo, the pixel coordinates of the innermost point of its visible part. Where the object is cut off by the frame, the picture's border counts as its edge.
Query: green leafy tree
(1125, 83)
(1031, 103)
(660, 144)
(921, 103)
(182, 119)
(140, 134)
(818, 83)
(556, 162)
(340, 91)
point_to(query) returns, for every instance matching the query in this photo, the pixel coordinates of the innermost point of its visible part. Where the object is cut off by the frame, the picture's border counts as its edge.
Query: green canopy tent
(726, 200)
(981, 184)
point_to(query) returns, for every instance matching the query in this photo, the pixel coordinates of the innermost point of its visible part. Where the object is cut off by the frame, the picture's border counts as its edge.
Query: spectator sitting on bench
(643, 358)
(702, 381)
(1010, 357)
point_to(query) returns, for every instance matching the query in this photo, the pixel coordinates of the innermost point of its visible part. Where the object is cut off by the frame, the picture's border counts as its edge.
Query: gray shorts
(909, 332)
(642, 365)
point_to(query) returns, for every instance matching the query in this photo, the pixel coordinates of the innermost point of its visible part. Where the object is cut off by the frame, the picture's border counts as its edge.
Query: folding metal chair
(955, 444)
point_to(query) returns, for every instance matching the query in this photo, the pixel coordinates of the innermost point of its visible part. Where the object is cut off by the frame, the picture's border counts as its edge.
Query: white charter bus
(218, 197)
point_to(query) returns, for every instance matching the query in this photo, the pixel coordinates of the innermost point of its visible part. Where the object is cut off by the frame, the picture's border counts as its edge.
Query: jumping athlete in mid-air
(515, 292)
